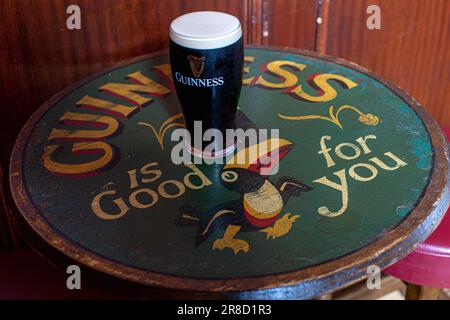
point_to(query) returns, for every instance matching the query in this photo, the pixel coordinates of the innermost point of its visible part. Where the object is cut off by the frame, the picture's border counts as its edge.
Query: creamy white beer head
(205, 30)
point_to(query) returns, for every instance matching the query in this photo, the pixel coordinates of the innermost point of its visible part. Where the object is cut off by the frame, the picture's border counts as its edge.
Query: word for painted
(359, 172)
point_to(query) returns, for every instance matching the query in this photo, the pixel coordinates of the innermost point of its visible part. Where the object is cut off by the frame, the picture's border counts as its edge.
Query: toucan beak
(260, 158)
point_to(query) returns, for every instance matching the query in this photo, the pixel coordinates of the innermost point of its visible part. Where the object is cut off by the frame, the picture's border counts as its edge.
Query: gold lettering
(196, 173)
(99, 212)
(275, 68)
(133, 179)
(155, 173)
(326, 151)
(247, 70)
(103, 105)
(327, 91)
(362, 142)
(82, 168)
(162, 191)
(341, 155)
(112, 125)
(398, 162)
(127, 91)
(356, 176)
(138, 204)
(165, 70)
(342, 188)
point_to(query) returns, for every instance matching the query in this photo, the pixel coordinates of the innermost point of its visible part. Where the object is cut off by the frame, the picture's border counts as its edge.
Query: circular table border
(318, 279)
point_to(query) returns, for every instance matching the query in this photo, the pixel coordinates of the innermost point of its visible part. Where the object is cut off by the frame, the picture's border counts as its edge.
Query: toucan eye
(229, 176)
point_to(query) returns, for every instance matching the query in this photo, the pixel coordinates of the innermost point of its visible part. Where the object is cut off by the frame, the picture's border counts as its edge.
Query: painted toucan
(261, 201)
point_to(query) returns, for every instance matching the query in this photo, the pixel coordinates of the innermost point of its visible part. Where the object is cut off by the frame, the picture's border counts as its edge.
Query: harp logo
(197, 65)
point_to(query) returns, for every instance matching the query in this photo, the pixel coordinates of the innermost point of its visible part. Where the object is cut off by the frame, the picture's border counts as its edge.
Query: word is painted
(143, 197)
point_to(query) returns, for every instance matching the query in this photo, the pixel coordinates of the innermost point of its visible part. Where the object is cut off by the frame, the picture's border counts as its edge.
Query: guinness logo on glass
(197, 65)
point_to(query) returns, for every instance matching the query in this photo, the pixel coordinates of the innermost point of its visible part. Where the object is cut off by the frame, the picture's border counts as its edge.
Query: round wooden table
(364, 181)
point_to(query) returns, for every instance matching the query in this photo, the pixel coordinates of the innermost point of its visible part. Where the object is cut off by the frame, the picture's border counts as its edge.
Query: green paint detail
(403, 210)
(149, 238)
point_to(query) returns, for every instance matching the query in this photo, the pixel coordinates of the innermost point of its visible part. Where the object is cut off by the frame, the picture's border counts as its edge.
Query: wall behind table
(39, 56)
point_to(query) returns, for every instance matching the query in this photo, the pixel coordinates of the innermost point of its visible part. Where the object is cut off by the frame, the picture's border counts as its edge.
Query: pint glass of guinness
(206, 57)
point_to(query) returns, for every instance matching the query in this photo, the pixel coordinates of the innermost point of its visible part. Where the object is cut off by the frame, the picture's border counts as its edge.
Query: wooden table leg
(416, 292)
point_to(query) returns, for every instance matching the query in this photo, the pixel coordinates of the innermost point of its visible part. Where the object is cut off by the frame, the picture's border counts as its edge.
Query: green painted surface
(149, 238)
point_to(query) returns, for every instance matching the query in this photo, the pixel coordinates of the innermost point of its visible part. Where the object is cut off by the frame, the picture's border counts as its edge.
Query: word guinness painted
(141, 90)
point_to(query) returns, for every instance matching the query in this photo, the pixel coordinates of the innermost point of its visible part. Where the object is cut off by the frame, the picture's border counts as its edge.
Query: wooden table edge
(308, 282)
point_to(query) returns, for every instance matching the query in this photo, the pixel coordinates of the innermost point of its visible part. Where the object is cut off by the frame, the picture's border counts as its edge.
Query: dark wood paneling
(289, 23)
(412, 49)
(254, 18)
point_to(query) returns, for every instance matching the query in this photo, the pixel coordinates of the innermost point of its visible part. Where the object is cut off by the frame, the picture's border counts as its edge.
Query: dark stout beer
(206, 57)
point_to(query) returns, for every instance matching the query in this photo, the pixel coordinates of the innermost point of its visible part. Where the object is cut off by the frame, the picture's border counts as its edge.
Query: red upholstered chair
(428, 267)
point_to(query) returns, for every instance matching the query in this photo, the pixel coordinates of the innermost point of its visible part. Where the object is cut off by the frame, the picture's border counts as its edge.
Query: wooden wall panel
(289, 23)
(412, 49)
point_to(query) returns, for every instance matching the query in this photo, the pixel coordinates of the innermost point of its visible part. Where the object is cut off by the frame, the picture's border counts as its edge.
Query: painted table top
(91, 174)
